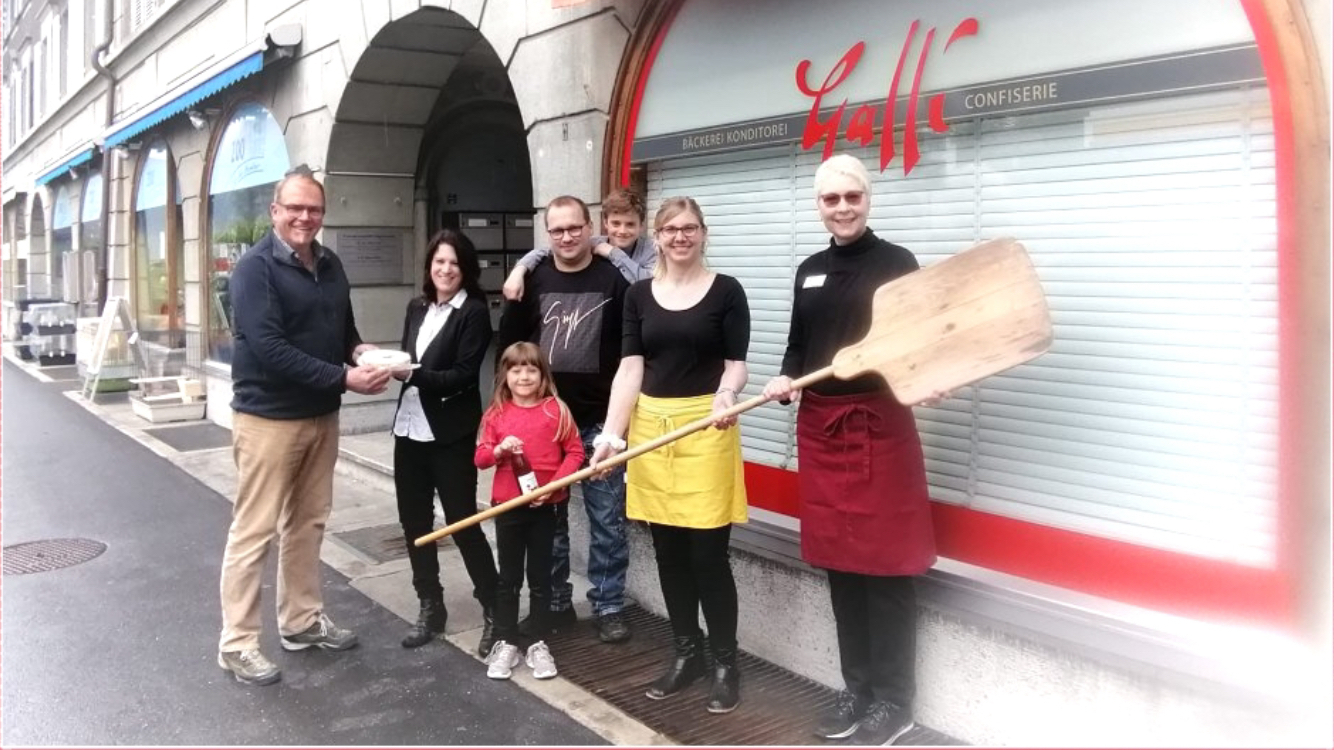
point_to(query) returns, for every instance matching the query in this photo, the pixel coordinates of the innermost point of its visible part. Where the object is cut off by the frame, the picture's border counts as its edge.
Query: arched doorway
(429, 127)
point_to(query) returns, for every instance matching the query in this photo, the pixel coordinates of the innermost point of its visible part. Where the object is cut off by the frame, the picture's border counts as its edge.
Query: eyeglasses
(854, 198)
(296, 209)
(688, 231)
(575, 231)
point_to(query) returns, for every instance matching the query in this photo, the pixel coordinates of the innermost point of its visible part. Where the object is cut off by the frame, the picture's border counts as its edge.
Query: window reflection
(250, 159)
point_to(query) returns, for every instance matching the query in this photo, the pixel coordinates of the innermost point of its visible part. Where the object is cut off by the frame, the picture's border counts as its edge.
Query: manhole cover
(49, 554)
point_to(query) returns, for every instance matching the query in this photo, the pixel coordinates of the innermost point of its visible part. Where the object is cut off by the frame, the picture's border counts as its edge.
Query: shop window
(1154, 417)
(250, 158)
(90, 235)
(159, 300)
(62, 241)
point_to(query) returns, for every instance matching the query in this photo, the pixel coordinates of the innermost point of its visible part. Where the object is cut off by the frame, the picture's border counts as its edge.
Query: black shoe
(725, 693)
(883, 724)
(556, 620)
(843, 719)
(430, 623)
(612, 628)
(488, 631)
(686, 667)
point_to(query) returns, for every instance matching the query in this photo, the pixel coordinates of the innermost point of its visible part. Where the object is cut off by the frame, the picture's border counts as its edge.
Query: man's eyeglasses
(688, 231)
(854, 198)
(296, 209)
(576, 231)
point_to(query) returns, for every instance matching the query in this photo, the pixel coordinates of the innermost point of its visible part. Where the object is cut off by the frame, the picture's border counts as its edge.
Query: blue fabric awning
(72, 162)
(246, 67)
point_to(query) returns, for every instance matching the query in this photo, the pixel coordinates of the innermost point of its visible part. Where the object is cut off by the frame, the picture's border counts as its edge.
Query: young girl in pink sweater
(525, 418)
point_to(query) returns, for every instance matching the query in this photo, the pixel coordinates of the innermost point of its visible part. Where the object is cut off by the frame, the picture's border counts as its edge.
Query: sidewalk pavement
(364, 498)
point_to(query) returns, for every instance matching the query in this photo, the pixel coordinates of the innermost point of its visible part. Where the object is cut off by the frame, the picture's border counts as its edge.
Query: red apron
(865, 506)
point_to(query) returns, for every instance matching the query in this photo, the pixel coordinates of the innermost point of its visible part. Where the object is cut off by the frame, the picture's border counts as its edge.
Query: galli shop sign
(833, 119)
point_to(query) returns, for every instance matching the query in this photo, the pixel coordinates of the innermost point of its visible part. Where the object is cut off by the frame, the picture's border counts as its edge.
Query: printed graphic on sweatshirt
(572, 330)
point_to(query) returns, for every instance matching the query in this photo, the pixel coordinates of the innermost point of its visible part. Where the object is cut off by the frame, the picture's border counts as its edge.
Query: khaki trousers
(285, 489)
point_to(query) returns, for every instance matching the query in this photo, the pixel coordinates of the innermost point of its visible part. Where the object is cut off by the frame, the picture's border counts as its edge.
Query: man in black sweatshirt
(572, 309)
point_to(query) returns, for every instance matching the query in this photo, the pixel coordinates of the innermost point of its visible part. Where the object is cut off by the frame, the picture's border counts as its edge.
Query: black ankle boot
(725, 693)
(430, 623)
(686, 667)
(488, 630)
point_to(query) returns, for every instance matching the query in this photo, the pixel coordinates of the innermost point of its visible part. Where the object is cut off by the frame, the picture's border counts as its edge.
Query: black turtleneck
(832, 307)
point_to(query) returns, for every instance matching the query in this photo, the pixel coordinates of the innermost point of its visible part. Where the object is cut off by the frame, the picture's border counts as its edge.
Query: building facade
(1135, 524)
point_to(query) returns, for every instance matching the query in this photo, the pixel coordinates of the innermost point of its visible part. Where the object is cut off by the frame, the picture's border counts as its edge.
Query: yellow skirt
(696, 482)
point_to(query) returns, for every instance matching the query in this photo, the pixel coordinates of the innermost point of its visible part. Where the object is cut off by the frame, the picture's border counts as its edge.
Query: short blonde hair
(845, 165)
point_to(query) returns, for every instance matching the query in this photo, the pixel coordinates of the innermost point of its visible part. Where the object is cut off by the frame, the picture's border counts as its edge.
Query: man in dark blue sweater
(296, 349)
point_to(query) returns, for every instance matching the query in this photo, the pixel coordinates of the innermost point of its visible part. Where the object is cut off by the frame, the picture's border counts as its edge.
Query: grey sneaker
(249, 666)
(842, 720)
(539, 660)
(883, 724)
(504, 657)
(322, 634)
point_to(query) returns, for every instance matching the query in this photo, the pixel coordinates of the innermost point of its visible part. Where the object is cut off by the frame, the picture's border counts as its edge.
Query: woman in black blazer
(447, 331)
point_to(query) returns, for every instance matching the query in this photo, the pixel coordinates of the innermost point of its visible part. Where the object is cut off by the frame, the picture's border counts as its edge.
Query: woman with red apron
(865, 512)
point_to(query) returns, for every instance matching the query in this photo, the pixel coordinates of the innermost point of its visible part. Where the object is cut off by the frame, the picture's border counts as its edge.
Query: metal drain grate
(49, 554)
(777, 706)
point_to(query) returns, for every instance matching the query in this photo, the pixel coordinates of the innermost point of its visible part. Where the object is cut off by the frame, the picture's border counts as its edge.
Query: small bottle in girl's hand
(523, 471)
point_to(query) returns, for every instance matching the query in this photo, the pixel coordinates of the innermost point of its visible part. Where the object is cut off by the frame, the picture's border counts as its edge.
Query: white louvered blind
(1153, 419)
(748, 200)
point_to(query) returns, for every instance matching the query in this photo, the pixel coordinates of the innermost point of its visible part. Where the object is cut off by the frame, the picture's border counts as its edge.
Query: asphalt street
(122, 649)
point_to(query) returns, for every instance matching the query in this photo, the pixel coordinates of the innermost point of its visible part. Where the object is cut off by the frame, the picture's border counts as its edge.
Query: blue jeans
(608, 548)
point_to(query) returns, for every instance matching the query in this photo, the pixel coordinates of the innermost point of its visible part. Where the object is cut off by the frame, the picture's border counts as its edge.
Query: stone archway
(420, 78)
(426, 130)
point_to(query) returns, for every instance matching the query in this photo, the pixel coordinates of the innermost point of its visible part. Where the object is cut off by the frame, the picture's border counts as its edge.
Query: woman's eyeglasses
(853, 198)
(688, 231)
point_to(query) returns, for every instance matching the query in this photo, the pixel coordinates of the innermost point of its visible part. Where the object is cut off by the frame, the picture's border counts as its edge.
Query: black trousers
(696, 574)
(523, 541)
(421, 470)
(876, 620)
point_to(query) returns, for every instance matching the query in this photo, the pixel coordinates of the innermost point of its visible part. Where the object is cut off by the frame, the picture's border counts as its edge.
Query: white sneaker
(502, 660)
(540, 661)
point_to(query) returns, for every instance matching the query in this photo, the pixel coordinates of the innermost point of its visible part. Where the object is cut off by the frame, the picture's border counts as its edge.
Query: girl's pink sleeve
(485, 457)
(573, 447)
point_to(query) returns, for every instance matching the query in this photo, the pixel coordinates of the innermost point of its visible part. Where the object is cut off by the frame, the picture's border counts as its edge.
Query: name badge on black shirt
(813, 281)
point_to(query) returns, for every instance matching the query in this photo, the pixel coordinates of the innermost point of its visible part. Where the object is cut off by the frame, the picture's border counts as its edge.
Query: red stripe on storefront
(1289, 307)
(633, 123)
(1147, 577)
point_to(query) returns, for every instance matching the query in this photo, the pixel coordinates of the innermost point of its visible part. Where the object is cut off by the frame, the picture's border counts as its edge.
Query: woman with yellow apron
(684, 358)
(865, 510)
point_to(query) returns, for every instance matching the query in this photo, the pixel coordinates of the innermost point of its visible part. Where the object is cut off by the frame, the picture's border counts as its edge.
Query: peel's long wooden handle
(616, 460)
